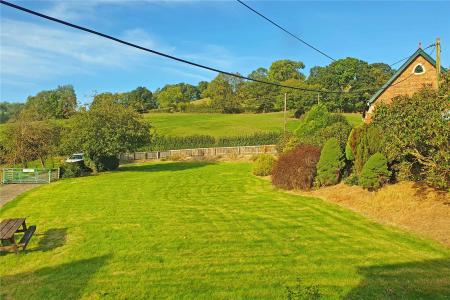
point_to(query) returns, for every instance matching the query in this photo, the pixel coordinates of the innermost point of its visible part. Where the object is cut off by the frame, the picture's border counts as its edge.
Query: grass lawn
(182, 124)
(215, 124)
(207, 231)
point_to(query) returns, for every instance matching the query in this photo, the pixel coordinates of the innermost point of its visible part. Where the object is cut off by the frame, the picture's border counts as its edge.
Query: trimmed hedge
(161, 143)
(296, 169)
(330, 163)
(375, 172)
(263, 165)
(259, 138)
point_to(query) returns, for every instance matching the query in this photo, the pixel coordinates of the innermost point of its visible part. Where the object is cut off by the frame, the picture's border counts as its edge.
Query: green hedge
(160, 143)
(262, 138)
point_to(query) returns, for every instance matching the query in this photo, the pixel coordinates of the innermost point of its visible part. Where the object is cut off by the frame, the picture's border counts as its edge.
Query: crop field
(197, 230)
(217, 125)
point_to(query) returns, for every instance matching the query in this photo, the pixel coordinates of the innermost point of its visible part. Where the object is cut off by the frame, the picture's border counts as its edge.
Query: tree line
(353, 81)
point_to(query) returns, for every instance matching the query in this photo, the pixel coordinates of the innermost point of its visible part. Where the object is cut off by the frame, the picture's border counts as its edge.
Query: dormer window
(419, 69)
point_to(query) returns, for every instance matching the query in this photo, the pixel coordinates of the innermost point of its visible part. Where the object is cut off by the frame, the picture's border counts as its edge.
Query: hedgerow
(160, 143)
(262, 138)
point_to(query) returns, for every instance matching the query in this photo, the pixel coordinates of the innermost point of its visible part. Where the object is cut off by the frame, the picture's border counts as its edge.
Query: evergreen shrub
(330, 164)
(375, 172)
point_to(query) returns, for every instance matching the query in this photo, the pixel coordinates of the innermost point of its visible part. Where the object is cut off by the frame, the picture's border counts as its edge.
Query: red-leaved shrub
(296, 169)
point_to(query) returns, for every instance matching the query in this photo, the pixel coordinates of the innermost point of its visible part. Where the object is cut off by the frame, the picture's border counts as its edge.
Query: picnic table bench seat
(8, 229)
(26, 237)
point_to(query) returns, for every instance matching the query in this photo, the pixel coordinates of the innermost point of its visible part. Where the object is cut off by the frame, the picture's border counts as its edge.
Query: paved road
(10, 191)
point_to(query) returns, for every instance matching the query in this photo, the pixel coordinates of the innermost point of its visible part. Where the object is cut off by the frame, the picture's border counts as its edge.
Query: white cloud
(32, 50)
(81, 9)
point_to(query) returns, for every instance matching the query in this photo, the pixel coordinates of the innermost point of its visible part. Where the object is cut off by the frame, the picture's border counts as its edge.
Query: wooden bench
(8, 229)
(26, 237)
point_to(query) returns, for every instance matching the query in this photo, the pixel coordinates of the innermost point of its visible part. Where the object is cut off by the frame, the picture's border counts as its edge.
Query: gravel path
(10, 191)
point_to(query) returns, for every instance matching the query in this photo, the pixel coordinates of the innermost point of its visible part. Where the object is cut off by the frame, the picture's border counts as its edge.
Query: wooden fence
(200, 152)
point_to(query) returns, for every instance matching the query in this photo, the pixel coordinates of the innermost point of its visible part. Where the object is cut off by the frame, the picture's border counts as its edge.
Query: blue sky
(36, 54)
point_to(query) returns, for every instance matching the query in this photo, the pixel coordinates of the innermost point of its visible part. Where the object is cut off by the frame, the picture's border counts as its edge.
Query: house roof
(419, 52)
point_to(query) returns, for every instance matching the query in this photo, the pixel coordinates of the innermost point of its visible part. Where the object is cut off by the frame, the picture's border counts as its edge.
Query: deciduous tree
(108, 129)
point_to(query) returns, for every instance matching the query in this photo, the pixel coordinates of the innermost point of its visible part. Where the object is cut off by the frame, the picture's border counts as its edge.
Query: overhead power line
(18, 7)
(405, 58)
(286, 31)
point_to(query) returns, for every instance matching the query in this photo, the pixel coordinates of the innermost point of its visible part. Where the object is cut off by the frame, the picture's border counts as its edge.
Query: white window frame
(414, 69)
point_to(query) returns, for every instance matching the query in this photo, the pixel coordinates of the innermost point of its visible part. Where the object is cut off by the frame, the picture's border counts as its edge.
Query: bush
(417, 132)
(71, 170)
(339, 131)
(363, 142)
(318, 125)
(263, 165)
(330, 163)
(296, 169)
(352, 180)
(375, 172)
(108, 163)
(287, 143)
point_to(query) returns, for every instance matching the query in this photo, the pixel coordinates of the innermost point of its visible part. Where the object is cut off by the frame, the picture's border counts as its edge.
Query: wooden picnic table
(8, 229)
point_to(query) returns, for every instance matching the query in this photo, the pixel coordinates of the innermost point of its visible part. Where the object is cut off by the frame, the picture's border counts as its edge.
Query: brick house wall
(406, 84)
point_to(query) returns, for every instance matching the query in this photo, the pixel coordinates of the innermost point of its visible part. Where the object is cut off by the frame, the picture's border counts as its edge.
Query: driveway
(10, 191)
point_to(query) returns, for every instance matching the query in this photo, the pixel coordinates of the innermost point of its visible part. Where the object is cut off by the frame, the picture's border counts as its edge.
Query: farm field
(215, 124)
(193, 230)
(218, 125)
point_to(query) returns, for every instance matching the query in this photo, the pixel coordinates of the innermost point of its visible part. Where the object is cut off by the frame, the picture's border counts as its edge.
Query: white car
(75, 158)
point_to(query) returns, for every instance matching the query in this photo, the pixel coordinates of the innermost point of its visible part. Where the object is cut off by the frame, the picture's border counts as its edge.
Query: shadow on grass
(428, 279)
(171, 166)
(52, 239)
(49, 240)
(65, 281)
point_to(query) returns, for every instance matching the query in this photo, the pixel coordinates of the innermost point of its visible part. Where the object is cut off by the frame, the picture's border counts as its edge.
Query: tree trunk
(42, 162)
